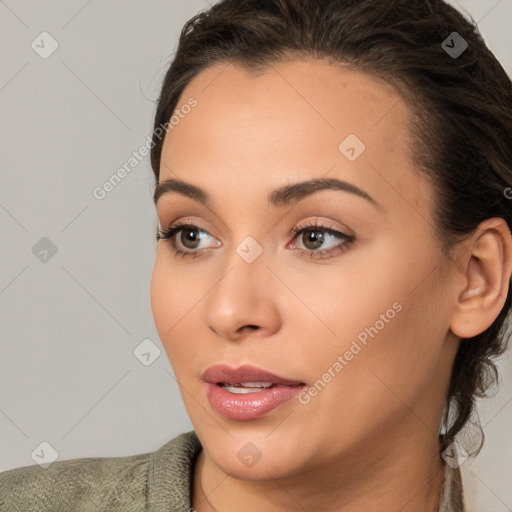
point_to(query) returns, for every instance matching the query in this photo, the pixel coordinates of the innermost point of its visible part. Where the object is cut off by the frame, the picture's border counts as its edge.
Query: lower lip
(237, 406)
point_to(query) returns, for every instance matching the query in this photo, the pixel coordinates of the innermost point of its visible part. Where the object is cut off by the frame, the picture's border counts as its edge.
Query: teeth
(256, 384)
(247, 387)
(241, 390)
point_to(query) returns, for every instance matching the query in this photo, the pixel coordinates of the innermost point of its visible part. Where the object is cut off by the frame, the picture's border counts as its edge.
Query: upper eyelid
(180, 223)
(319, 225)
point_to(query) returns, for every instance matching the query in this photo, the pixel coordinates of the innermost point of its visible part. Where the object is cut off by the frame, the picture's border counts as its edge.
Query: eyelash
(169, 234)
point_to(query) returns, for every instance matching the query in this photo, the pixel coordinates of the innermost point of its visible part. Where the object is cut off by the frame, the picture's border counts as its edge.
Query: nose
(243, 302)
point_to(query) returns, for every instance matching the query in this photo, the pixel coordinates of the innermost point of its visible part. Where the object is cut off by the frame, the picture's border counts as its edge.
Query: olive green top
(158, 481)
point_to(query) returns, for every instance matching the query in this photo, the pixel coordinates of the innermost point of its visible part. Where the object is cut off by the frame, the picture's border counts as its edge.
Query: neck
(404, 475)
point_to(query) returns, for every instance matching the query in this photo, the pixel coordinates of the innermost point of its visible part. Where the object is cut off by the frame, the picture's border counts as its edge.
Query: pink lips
(251, 405)
(244, 373)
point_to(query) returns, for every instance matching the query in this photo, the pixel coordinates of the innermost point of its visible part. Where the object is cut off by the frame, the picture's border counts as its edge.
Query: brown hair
(461, 110)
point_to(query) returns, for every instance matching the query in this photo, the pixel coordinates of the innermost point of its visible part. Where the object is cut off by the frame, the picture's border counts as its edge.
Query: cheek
(376, 318)
(172, 296)
(351, 296)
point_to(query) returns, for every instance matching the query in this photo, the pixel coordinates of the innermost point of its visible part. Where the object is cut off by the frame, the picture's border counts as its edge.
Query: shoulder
(97, 483)
(75, 483)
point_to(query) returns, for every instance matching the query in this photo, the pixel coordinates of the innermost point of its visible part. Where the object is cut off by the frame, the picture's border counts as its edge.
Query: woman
(332, 274)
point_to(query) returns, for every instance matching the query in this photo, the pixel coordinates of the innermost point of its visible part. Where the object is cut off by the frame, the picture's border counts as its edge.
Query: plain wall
(69, 325)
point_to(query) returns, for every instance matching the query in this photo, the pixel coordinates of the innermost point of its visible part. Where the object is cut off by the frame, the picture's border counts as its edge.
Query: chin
(254, 454)
(267, 468)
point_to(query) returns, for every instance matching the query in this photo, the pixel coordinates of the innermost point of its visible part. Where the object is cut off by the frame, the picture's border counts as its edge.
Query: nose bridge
(242, 296)
(245, 270)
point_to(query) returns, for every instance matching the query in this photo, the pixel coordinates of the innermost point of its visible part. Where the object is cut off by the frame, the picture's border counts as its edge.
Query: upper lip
(245, 373)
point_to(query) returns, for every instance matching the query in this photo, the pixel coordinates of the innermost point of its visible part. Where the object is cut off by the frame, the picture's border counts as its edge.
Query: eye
(315, 239)
(319, 241)
(186, 238)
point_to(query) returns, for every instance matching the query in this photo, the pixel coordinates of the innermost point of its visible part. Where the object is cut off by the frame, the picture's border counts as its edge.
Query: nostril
(249, 326)
(242, 329)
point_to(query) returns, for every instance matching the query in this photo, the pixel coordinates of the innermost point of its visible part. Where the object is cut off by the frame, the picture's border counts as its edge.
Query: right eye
(186, 238)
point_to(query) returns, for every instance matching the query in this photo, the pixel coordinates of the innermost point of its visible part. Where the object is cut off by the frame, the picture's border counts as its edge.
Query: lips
(223, 374)
(247, 393)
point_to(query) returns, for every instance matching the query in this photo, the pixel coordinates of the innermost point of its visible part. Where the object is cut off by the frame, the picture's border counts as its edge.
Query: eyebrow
(280, 197)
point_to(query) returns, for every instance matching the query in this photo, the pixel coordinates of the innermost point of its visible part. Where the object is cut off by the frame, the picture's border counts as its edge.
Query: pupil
(189, 235)
(315, 237)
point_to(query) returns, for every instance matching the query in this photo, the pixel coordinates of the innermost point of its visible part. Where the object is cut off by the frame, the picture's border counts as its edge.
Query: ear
(487, 266)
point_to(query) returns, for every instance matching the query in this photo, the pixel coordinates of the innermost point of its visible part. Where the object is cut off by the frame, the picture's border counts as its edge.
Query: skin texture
(368, 440)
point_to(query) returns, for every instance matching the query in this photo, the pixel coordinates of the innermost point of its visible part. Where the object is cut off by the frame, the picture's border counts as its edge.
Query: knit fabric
(158, 481)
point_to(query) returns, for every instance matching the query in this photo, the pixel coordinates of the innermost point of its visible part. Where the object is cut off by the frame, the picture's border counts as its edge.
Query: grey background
(69, 326)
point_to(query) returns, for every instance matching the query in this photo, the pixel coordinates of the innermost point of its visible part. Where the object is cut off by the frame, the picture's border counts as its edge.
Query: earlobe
(487, 273)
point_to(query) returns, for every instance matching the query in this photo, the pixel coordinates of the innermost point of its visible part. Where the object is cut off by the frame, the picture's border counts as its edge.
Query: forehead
(312, 88)
(287, 123)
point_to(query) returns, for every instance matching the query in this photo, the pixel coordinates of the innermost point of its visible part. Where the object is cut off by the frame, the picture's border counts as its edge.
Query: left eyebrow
(298, 191)
(280, 197)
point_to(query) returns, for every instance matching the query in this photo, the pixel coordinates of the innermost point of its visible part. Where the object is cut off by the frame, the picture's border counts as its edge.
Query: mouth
(247, 392)
(246, 376)
(243, 388)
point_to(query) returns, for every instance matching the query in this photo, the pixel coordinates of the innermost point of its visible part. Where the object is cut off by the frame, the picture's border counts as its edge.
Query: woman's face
(357, 309)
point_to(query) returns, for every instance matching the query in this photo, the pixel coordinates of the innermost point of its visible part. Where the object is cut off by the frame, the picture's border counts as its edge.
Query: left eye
(312, 239)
